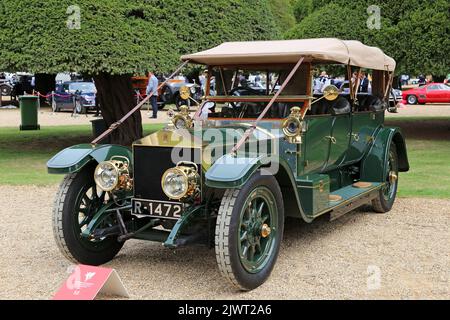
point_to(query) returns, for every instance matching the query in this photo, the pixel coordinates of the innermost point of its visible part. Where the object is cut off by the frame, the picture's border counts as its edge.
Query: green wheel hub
(258, 228)
(391, 179)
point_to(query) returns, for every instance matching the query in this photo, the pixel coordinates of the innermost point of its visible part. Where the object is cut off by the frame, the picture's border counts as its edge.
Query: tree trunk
(44, 84)
(116, 99)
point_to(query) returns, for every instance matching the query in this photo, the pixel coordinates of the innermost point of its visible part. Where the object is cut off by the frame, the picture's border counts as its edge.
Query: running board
(351, 197)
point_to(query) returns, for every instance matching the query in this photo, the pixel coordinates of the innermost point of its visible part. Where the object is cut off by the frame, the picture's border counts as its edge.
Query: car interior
(227, 81)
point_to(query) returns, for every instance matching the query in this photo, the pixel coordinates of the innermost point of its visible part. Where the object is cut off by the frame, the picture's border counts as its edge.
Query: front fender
(374, 165)
(74, 158)
(232, 172)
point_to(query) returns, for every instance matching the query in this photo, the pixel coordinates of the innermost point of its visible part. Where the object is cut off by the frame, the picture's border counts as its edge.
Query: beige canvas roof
(289, 51)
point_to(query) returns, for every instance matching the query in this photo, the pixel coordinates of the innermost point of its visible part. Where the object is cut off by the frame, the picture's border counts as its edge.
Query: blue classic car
(76, 96)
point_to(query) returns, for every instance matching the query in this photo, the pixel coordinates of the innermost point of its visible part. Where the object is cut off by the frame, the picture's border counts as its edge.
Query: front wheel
(412, 99)
(249, 230)
(76, 203)
(386, 197)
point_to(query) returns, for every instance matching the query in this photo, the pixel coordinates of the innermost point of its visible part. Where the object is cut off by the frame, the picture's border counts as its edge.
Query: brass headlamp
(293, 125)
(114, 175)
(182, 120)
(181, 182)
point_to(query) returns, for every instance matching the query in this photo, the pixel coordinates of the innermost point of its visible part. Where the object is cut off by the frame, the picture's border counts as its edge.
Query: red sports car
(429, 93)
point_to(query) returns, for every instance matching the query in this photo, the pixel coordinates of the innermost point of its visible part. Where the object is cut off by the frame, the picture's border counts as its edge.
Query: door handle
(355, 136)
(332, 139)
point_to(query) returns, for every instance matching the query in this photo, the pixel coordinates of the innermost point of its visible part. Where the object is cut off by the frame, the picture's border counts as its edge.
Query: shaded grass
(24, 154)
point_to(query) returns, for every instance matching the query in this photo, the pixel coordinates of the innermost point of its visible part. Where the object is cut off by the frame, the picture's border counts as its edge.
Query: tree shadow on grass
(423, 129)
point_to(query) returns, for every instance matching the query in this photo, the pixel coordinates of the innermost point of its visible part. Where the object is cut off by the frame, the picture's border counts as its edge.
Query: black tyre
(386, 197)
(76, 203)
(5, 90)
(249, 230)
(412, 99)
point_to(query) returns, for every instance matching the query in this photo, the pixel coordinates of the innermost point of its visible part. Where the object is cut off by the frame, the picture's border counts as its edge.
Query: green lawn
(429, 175)
(23, 156)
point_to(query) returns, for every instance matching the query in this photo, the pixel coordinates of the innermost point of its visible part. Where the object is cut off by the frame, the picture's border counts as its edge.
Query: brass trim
(265, 230)
(362, 185)
(334, 197)
(341, 204)
(315, 187)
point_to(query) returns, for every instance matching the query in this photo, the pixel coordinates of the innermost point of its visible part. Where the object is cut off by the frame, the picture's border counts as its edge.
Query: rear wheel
(412, 99)
(249, 230)
(5, 90)
(386, 197)
(76, 203)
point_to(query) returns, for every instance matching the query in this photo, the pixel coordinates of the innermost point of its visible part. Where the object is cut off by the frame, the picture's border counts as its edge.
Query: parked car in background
(76, 96)
(5, 87)
(430, 93)
(168, 94)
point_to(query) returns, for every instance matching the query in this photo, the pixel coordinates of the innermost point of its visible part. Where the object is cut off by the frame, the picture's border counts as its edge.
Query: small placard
(86, 282)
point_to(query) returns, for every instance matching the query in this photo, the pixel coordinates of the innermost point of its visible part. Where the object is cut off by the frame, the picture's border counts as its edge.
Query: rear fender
(374, 165)
(73, 159)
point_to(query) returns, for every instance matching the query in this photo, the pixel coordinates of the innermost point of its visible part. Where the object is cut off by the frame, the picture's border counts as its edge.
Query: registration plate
(157, 209)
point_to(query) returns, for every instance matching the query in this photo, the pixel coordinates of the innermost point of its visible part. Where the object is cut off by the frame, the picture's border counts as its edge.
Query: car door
(339, 141)
(364, 125)
(435, 94)
(317, 142)
(446, 93)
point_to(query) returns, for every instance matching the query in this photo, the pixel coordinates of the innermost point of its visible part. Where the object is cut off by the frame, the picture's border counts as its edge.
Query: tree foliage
(122, 36)
(414, 33)
(283, 12)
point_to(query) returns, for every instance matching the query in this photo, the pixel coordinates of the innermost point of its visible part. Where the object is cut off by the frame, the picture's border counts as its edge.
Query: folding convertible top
(326, 50)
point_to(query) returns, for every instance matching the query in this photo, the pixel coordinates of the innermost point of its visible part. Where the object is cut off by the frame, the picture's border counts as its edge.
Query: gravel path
(408, 248)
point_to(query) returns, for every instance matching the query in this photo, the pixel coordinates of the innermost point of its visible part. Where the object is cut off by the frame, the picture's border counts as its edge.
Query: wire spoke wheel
(258, 229)
(249, 230)
(89, 202)
(387, 194)
(77, 202)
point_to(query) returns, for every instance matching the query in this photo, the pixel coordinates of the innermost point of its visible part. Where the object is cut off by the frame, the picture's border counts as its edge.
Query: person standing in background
(364, 83)
(152, 89)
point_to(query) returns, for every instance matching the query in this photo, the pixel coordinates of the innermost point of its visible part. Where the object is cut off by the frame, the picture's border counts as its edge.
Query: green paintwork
(350, 192)
(364, 126)
(97, 220)
(185, 219)
(231, 172)
(374, 165)
(29, 106)
(314, 190)
(74, 158)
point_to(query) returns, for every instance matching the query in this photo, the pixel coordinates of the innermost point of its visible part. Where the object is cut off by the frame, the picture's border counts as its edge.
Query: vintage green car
(228, 175)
